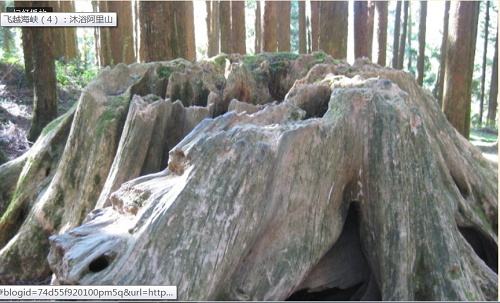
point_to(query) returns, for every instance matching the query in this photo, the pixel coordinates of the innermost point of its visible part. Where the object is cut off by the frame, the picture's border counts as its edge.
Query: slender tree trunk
(258, 28)
(444, 49)
(283, 32)
(116, 37)
(363, 28)
(402, 43)
(59, 48)
(309, 35)
(315, 15)
(410, 51)
(334, 15)
(460, 64)
(141, 54)
(44, 80)
(213, 27)
(226, 44)
(421, 42)
(71, 43)
(397, 26)
(238, 27)
(493, 99)
(269, 27)
(104, 36)
(382, 14)
(97, 39)
(483, 76)
(28, 50)
(302, 28)
(188, 51)
(127, 30)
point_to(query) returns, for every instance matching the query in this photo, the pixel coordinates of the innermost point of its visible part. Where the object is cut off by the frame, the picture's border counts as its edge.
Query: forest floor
(16, 110)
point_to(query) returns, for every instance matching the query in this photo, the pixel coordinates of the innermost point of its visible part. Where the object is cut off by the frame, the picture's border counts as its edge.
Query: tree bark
(269, 27)
(363, 28)
(241, 189)
(168, 31)
(238, 27)
(258, 28)
(44, 80)
(421, 43)
(334, 15)
(71, 44)
(116, 34)
(315, 24)
(302, 28)
(382, 14)
(439, 89)
(226, 45)
(460, 64)
(493, 98)
(104, 36)
(410, 50)
(397, 27)
(212, 27)
(283, 9)
(127, 31)
(28, 50)
(483, 75)
(402, 43)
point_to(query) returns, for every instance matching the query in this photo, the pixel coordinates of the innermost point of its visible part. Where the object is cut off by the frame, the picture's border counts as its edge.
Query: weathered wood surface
(254, 203)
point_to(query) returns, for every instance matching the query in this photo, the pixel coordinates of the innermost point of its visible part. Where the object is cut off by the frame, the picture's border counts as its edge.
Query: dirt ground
(16, 109)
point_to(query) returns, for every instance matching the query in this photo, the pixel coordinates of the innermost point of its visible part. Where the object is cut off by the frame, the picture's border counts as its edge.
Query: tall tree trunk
(269, 27)
(169, 32)
(315, 16)
(397, 27)
(302, 28)
(28, 50)
(44, 80)
(226, 44)
(363, 28)
(58, 34)
(116, 37)
(187, 37)
(382, 14)
(410, 51)
(141, 54)
(402, 43)
(283, 10)
(439, 89)
(493, 99)
(97, 39)
(460, 64)
(238, 27)
(483, 76)
(421, 42)
(104, 37)
(258, 28)
(213, 27)
(333, 28)
(71, 43)
(127, 30)
(309, 34)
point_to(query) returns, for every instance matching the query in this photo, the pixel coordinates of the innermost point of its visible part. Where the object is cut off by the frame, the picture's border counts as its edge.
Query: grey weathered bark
(439, 88)
(397, 27)
(483, 75)
(283, 11)
(460, 64)
(402, 42)
(363, 28)
(226, 43)
(315, 17)
(241, 189)
(269, 27)
(421, 43)
(238, 27)
(302, 28)
(382, 8)
(333, 14)
(258, 28)
(493, 98)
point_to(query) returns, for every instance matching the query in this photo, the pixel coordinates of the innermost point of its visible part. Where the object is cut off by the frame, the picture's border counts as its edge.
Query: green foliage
(75, 73)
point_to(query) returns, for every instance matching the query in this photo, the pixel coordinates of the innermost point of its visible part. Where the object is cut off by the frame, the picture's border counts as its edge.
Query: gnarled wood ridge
(286, 174)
